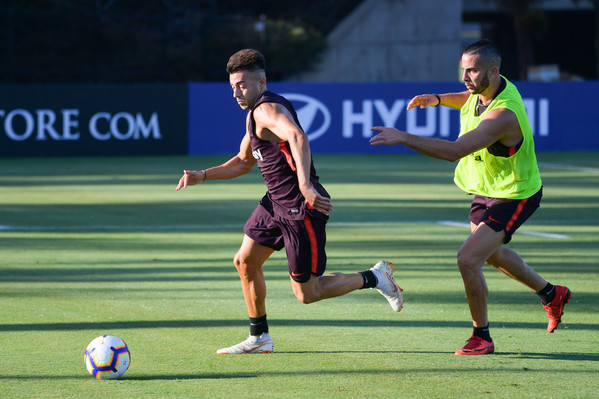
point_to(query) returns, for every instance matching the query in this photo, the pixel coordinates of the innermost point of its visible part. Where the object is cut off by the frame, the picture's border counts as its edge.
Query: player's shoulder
(269, 109)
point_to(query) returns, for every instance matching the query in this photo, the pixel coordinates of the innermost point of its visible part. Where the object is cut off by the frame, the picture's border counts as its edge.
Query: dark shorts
(304, 240)
(503, 214)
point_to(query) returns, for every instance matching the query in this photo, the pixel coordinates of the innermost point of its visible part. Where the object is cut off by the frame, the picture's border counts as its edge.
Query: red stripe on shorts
(313, 244)
(516, 214)
(288, 157)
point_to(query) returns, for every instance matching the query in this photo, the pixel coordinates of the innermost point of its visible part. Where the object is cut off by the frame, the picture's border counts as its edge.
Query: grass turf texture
(92, 246)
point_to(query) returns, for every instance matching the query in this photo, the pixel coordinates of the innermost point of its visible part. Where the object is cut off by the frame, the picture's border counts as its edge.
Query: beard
(484, 85)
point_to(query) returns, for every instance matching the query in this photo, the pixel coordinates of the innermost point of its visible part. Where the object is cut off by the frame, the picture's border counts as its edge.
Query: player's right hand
(190, 178)
(423, 101)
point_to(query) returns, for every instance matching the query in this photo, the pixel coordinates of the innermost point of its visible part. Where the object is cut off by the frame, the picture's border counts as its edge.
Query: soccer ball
(107, 357)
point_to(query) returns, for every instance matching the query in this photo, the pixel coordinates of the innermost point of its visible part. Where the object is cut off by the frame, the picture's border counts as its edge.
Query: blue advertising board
(204, 118)
(338, 116)
(93, 119)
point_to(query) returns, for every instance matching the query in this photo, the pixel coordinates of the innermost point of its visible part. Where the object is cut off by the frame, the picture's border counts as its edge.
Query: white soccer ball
(107, 357)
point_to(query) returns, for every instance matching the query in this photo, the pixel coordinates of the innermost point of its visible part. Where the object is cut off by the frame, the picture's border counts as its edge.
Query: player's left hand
(317, 201)
(387, 135)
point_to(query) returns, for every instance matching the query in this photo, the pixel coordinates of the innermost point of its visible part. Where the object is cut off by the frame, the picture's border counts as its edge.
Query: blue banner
(204, 118)
(337, 117)
(93, 119)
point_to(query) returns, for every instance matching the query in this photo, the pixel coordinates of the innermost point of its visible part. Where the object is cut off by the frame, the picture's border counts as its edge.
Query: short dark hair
(489, 54)
(246, 60)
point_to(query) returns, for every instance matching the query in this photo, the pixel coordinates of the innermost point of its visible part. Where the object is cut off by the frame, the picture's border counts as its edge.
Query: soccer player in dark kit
(292, 214)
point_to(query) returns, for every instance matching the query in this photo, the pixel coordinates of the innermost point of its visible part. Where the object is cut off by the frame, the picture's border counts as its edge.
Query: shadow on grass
(589, 357)
(320, 372)
(134, 378)
(143, 324)
(155, 269)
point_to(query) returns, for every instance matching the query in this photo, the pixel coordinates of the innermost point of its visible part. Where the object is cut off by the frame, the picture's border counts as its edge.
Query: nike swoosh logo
(395, 286)
(245, 349)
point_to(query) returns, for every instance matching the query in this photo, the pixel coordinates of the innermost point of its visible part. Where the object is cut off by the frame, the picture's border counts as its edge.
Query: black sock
(258, 325)
(547, 294)
(370, 280)
(482, 332)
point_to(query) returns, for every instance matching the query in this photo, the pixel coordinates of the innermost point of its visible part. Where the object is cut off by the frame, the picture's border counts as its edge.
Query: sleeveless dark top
(278, 168)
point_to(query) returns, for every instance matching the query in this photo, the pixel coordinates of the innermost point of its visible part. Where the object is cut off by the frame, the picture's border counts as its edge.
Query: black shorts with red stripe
(502, 214)
(304, 240)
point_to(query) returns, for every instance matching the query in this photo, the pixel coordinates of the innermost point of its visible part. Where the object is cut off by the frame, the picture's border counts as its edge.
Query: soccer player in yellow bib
(497, 164)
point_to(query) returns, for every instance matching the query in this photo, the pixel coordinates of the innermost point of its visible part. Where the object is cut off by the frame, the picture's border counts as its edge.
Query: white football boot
(254, 344)
(386, 284)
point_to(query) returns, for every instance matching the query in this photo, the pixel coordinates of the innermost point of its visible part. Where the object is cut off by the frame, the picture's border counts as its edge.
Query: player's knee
(243, 264)
(305, 296)
(238, 261)
(466, 262)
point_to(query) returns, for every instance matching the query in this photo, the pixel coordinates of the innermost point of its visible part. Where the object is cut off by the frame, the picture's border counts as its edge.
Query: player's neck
(257, 98)
(488, 95)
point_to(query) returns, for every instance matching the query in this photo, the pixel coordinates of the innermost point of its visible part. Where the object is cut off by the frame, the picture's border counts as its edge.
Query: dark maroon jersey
(278, 168)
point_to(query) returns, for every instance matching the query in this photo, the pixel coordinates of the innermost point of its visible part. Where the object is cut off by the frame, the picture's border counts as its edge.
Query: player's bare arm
(239, 165)
(275, 123)
(451, 100)
(498, 125)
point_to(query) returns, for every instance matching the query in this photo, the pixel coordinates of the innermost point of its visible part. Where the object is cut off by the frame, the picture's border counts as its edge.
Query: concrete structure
(394, 40)
(408, 40)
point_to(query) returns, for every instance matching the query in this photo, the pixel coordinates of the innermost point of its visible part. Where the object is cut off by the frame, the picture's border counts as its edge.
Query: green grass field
(90, 246)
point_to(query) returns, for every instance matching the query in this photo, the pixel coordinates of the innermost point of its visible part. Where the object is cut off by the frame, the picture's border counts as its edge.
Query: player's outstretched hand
(387, 135)
(423, 101)
(191, 177)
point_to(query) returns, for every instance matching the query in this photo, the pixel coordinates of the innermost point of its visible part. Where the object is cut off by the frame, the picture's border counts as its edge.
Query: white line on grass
(569, 167)
(530, 233)
(239, 226)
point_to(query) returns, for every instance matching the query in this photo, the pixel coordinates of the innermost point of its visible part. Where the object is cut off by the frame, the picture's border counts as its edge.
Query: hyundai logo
(313, 115)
